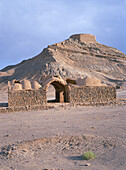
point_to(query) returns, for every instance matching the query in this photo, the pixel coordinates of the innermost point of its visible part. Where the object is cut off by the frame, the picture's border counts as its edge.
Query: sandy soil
(56, 138)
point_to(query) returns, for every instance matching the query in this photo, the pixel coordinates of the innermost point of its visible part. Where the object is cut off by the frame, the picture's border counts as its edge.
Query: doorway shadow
(3, 104)
(52, 101)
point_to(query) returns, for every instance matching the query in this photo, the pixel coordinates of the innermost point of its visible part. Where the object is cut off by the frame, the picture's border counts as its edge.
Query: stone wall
(21, 100)
(96, 95)
(27, 98)
(84, 37)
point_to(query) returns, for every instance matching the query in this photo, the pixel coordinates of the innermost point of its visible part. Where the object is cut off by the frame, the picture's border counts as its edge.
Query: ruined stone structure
(29, 95)
(84, 37)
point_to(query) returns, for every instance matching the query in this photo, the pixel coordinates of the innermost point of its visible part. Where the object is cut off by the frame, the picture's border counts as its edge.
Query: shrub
(88, 155)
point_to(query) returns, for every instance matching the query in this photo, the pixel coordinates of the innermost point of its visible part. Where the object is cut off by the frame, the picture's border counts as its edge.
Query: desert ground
(56, 138)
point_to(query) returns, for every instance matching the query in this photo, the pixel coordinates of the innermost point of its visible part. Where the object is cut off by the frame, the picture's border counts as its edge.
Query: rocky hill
(79, 56)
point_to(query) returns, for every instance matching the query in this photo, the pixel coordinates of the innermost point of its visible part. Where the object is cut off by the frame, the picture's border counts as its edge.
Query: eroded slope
(71, 59)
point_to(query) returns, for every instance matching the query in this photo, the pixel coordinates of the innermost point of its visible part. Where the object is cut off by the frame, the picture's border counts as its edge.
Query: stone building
(27, 94)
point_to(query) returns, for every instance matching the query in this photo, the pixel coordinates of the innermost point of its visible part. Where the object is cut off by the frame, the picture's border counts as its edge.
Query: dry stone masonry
(26, 95)
(27, 98)
(96, 95)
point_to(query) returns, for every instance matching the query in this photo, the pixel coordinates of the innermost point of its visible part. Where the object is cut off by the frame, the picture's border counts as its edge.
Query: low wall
(27, 98)
(81, 95)
(86, 95)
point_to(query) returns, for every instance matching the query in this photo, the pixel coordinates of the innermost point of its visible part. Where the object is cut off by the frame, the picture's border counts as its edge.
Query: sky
(28, 26)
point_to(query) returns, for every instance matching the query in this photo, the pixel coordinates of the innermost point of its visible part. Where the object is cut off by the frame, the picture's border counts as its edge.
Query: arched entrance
(51, 93)
(61, 91)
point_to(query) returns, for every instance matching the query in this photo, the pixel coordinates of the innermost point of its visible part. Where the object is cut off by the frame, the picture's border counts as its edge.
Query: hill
(79, 56)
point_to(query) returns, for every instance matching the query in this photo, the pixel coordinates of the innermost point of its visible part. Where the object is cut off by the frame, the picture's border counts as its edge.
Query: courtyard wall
(27, 98)
(96, 95)
(19, 100)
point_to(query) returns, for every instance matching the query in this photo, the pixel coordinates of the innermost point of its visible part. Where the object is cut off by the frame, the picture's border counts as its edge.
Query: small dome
(16, 86)
(89, 81)
(13, 81)
(26, 84)
(36, 85)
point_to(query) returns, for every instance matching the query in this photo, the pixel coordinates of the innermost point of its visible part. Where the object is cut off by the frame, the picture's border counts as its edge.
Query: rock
(87, 164)
(24, 150)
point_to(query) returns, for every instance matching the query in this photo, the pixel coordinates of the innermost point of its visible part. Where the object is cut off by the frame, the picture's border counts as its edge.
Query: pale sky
(28, 26)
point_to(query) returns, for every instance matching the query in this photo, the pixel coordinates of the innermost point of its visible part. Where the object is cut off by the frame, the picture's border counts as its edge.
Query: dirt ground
(56, 138)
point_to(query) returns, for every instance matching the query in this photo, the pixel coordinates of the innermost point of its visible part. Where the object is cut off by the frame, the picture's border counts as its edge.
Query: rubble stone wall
(96, 95)
(27, 98)
(81, 95)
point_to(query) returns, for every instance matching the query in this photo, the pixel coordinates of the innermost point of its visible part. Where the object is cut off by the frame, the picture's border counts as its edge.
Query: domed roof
(26, 84)
(89, 81)
(35, 85)
(16, 86)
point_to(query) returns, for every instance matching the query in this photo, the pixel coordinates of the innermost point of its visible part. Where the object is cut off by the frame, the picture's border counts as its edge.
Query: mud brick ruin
(25, 95)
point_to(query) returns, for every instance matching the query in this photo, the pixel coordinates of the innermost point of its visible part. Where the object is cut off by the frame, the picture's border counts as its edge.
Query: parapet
(84, 37)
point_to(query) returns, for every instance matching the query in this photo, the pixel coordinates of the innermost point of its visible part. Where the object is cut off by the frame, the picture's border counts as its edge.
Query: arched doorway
(61, 92)
(51, 94)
